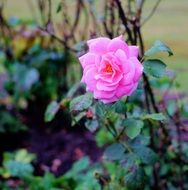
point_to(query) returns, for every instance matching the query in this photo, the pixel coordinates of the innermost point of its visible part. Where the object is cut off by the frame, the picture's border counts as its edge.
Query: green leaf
(47, 182)
(155, 68)
(51, 110)
(81, 103)
(155, 116)
(78, 166)
(72, 91)
(171, 107)
(146, 155)
(158, 46)
(119, 107)
(23, 156)
(19, 169)
(114, 152)
(135, 179)
(78, 117)
(140, 139)
(92, 125)
(133, 127)
(24, 77)
(100, 109)
(129, 160)
(103, 137)
(81, 164)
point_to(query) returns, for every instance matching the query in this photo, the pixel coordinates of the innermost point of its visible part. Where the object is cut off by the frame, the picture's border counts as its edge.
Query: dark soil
(56, 144)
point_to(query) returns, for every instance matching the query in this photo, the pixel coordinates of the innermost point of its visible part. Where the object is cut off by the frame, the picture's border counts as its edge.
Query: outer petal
(133, 89)
(138, 68)
(133, 51)
(110, 100)
(98, 45)
(89, 79)
(124, 90)
(116, 44)
(100, 94)
(87, 59)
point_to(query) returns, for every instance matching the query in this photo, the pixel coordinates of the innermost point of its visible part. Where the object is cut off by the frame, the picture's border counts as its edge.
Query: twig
(124, 20)
(151, 13)
(49, 12)
(64, 43)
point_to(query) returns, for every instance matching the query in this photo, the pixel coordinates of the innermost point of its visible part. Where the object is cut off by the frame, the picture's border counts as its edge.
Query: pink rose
(110, 68)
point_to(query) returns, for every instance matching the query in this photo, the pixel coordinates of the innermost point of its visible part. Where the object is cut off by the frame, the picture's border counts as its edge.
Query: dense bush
(142, 136)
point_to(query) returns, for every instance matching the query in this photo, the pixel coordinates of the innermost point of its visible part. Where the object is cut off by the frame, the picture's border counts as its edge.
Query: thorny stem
(133, 29)
(116, 136)
(177, 122)
(148, 92)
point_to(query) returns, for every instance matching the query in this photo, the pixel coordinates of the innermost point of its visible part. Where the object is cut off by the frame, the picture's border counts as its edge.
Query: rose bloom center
(108, 68)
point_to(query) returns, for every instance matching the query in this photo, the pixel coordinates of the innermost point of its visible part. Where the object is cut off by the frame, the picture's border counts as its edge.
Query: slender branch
(64, 43)
(49, 12)
(107, 30)
(76, 21)
(149, 89)
(124, 20)
(151, 13)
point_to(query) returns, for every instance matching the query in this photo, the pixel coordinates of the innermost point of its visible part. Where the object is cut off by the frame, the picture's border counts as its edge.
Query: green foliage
(103, 137)
(135, 179)
(155, 116)
(158, 46)
(154, 67)
(133, 127)
(24, 77)
(51, 110)
(171, 107)
(17, 165)
(10, 123)
(146, 155)
(92, 125)
(18, 169)
(114, 152)
(81, 103)
(81, 175)
(39, 71)
(100, 110)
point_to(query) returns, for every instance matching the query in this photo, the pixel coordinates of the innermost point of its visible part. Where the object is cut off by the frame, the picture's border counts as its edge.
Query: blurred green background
(169, 24)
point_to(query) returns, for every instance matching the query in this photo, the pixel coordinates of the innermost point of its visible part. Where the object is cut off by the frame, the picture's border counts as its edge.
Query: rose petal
(98, 45)
(101, 85)
(128, 78)
(111, 79)
(116, 44)
(87, 59)
(124, 90)
(138, 68)
(100, 94)
(133, 51)
(89, 79)
(133, 89)
(110, 100)
(111, 68)
(120, 54)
